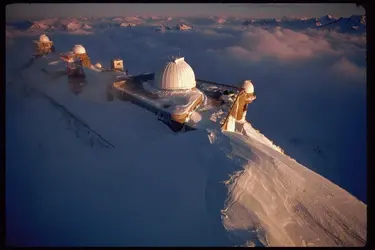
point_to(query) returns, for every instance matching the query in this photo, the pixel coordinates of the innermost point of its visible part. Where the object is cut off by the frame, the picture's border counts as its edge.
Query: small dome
(79, 49)
(248, 87)
(176, 75)
(43, 38)
(98, 65)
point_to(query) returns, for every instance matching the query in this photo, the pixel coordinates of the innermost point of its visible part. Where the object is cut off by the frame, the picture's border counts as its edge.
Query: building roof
(248, 87)
(176, 75)
(43, 38)
(79, 49)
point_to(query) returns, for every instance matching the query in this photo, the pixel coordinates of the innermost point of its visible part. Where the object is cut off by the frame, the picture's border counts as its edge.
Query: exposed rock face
(182, 26)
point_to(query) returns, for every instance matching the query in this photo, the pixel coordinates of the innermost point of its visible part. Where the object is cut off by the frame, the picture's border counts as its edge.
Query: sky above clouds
(31, 11)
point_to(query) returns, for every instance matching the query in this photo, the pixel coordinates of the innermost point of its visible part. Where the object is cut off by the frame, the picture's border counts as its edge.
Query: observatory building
(98, 65)
(76, 75)
(176, 75)
(171, 93)
(80, 52)
(74, 62)
(43, 46)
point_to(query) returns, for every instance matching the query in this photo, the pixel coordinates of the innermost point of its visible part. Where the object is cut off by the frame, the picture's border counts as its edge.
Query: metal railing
(216, 83)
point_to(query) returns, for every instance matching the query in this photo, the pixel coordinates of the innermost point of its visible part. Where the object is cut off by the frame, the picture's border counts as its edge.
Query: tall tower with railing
(237, 112)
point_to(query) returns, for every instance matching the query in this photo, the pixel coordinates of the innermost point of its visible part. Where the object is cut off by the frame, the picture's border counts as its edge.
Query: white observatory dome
(98, 65)
(248, 87)
(176, 75)
(79, 49)
(43, 38)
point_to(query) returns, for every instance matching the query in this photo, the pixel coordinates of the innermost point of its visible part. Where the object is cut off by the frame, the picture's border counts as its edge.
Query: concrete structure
(176, 75)
(170, 110)
(117, 65)
(76, 74)
(73, 65)
(76, 85)
(237, 112)
(43, 45)
(80, 52)
(249, 97)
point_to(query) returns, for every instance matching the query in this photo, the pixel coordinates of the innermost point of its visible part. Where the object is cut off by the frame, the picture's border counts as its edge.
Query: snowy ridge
(248, 131)
(275, 201)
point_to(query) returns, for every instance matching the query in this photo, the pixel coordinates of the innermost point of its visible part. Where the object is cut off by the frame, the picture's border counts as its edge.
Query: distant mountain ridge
(180, 26)
(352, 24)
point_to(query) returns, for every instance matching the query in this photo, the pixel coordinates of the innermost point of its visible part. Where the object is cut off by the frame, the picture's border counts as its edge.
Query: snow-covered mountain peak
(127, 24)
(221, 20)
(39, 25)
(355, 23)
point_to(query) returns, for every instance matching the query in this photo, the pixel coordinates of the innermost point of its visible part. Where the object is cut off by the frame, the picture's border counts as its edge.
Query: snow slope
(155, 187)
(277, 202)
(90, 188)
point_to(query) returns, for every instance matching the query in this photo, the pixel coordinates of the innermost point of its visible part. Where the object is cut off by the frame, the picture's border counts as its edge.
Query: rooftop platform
(176, 105)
